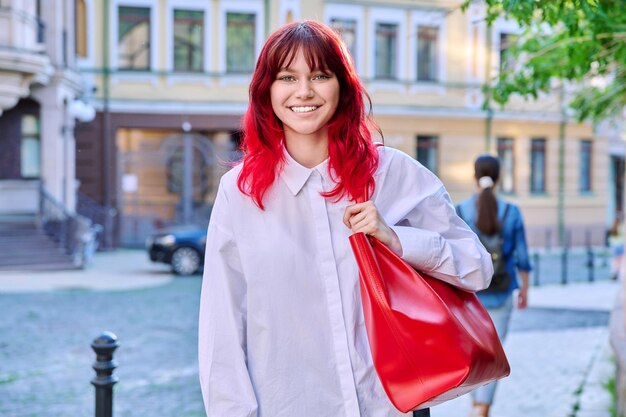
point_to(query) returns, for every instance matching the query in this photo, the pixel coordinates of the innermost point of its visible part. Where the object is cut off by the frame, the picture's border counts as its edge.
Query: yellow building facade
(162, 70)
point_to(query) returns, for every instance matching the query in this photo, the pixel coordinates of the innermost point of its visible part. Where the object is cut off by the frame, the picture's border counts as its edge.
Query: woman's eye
(287, 78)
(321, 77)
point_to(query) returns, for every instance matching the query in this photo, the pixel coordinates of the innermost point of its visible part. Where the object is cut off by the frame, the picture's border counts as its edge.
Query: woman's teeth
(303, 109)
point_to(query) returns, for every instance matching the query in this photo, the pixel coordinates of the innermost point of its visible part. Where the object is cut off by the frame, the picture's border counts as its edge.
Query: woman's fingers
(356, 209)
(363, 217)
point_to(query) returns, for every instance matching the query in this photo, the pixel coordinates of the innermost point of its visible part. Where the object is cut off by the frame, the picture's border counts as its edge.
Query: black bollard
(590, 260)
(564, 266)
(536, 268)
(564, 258)
(104, 346)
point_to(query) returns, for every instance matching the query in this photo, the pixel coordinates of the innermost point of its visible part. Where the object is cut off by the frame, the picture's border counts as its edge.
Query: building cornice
(18, 71)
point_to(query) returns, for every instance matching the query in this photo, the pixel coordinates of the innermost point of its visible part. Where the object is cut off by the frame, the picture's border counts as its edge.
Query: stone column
(52, 156)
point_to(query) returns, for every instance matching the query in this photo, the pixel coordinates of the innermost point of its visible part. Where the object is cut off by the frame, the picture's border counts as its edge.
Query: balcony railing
(28, 32)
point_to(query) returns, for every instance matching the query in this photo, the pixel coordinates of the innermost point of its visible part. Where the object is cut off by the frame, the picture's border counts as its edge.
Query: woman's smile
(303, 109)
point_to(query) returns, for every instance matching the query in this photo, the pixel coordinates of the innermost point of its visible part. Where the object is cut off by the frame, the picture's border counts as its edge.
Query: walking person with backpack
(500, 228)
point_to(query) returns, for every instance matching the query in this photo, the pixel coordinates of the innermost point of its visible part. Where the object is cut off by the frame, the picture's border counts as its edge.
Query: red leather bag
(430, 341)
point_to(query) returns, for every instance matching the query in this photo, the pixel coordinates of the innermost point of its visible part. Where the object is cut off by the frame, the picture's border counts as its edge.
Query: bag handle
(363, 250)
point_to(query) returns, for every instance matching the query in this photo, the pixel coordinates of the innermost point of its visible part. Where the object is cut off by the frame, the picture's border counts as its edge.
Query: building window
(81, 29)
(386, 45)
(30, 147)
(240, 41)
(507, 165)
(584, 183)
(427, 56)
(346, 28)
(427, 151)
(507, 61)
(41, 26)
(188, 40)
(538, 166)
(133, 38)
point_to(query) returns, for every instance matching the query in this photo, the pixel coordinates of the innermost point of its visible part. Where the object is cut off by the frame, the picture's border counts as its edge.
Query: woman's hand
(522, 295)
(364, 217)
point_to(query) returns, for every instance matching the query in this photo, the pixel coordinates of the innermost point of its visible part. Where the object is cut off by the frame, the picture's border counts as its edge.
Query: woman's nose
(304, 89)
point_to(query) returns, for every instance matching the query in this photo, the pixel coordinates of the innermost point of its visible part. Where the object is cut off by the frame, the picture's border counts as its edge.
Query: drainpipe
(561, 193)
(487, 86)
(106, 124)
(266, 6)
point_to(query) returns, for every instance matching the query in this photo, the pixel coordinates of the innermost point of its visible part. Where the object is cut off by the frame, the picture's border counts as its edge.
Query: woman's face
(304, 99)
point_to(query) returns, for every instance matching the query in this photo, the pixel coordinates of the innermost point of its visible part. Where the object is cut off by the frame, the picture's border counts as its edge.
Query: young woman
(489, 215)
(281, 330)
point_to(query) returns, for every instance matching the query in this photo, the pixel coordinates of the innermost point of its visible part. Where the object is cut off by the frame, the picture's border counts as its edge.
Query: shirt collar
(296, 175)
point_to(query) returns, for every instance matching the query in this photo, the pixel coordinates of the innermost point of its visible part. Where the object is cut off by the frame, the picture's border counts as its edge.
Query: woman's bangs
(317, 53)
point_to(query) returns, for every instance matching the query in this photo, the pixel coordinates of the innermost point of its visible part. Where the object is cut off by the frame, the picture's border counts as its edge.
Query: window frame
(352, 12)
(191, 5)
(37, 138)
(80, 26)
(388, 16)
(113, 35)
(501, 52)
(499, 26)
(500, 149)
(433, 76)
(393, 63)
(87, 61)
(432, 139)
(240, 6)
(250, 22)
(434, 19)
(531, 177)
(355, 51)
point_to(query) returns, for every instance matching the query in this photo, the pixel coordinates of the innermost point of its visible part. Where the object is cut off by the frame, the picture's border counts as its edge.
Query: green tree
(578, 41)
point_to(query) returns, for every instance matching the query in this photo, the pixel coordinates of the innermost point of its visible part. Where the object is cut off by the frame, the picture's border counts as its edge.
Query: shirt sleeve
(522, 260)
(224, 379)
(434, 239)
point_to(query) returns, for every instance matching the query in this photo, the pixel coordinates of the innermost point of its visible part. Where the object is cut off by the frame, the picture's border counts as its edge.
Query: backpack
(493, 243)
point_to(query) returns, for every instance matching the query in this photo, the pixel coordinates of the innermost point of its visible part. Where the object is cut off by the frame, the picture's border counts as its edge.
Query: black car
(181, 247)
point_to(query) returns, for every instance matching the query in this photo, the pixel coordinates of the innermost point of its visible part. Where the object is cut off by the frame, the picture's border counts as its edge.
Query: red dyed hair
(352, 154)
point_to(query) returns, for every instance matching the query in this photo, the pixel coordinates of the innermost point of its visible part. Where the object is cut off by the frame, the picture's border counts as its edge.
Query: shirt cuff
(420, 248)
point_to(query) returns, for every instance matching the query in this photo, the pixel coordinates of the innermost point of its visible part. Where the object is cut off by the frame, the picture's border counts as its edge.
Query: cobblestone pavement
(45, 358)
(559, 354)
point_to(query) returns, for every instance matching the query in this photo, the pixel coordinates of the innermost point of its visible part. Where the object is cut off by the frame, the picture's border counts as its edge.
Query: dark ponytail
(487, 205)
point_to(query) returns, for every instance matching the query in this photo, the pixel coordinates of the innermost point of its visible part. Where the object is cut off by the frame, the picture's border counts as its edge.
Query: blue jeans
(500, 317)
(422, 413)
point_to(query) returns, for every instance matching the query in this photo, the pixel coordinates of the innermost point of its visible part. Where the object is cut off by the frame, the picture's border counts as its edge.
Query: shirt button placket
(328, 270)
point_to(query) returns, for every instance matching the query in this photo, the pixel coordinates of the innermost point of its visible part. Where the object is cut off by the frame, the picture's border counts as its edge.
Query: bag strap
(506, 211)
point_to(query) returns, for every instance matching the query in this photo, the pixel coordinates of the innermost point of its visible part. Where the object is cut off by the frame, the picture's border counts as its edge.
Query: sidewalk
(122, 269)
(558, 348)
(555, 372)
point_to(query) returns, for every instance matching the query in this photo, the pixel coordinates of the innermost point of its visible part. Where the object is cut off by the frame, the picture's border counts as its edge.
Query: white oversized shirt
(281, 330)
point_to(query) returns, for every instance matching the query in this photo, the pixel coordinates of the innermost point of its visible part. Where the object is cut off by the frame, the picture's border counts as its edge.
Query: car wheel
(185, 261)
